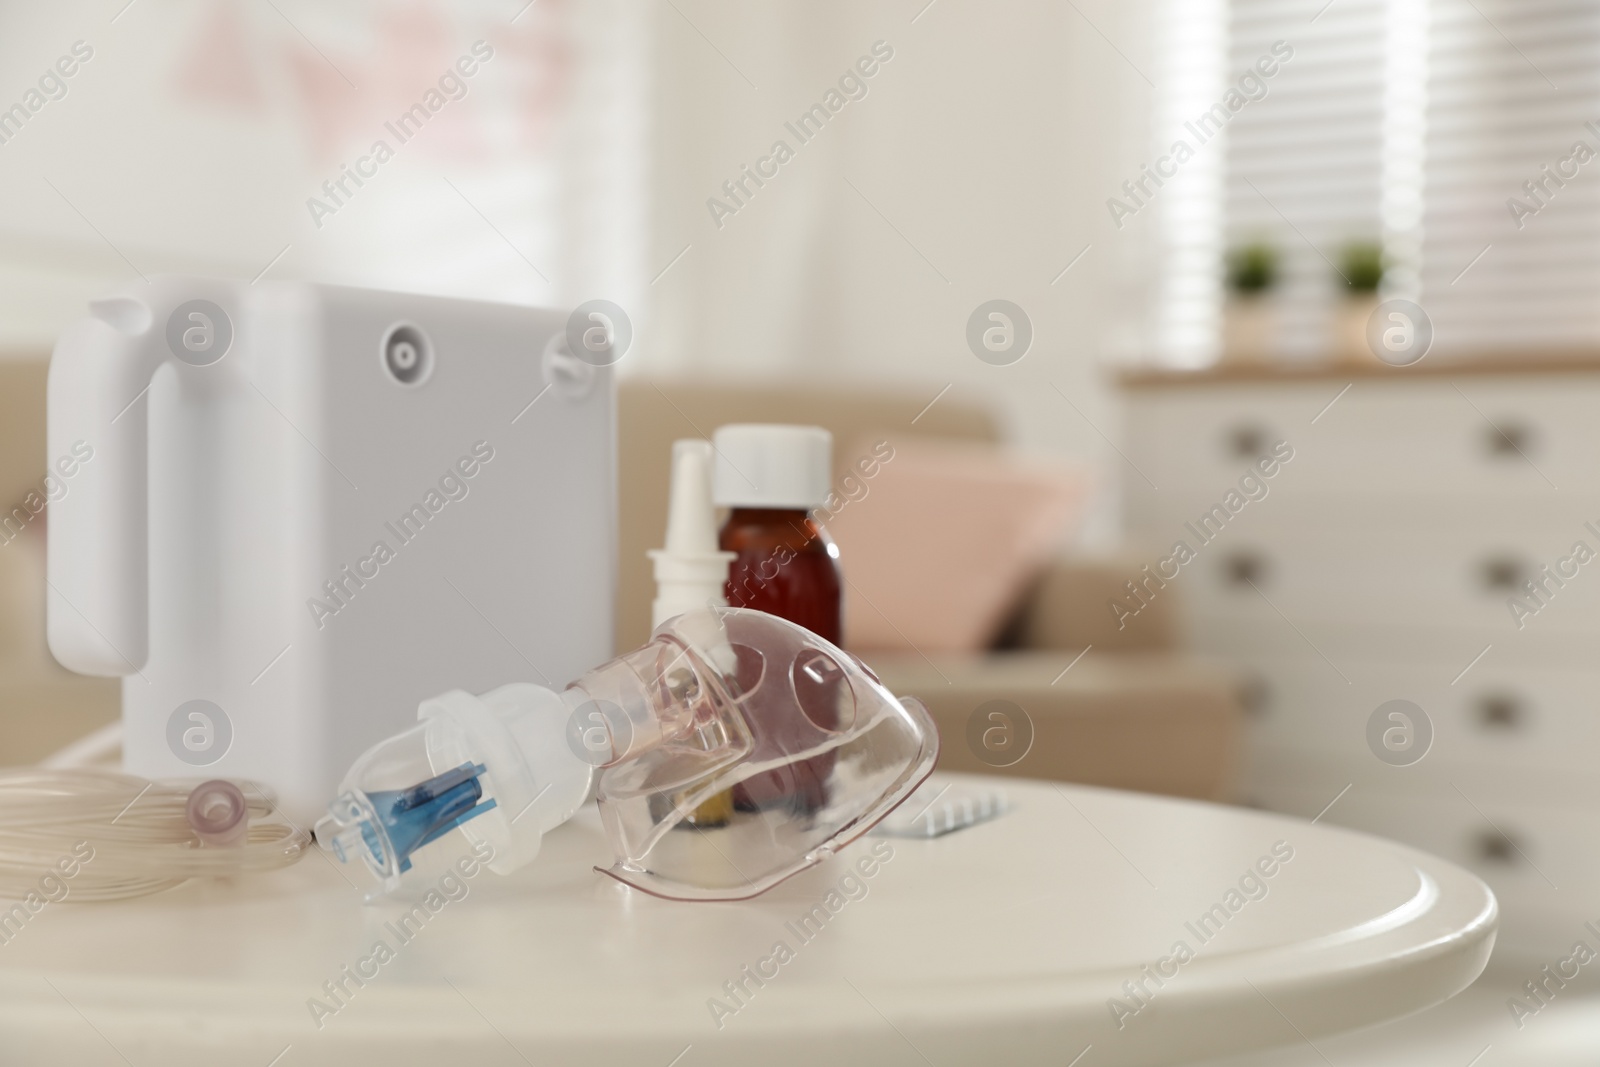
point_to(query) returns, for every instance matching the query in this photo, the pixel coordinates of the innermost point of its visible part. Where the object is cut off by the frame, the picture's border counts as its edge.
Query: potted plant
(1247, 325)
(1361, 267)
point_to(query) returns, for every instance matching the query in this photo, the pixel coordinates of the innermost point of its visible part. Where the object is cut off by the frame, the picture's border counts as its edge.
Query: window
(1417, 123)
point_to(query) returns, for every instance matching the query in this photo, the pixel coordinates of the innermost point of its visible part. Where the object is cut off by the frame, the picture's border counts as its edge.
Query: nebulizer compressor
(718, 698)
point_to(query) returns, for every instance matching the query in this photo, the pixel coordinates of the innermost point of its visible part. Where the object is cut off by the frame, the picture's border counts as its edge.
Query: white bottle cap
(690, 571)
(767, 465)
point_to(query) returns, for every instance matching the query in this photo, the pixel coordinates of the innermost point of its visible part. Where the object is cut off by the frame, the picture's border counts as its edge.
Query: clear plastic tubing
(124, 836)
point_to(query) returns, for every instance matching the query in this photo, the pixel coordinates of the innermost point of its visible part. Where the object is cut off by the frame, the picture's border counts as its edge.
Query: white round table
(1008, 943)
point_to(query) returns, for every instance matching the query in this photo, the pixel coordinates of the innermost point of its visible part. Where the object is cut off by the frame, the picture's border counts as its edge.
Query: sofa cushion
(945, 541)
(1157, 723)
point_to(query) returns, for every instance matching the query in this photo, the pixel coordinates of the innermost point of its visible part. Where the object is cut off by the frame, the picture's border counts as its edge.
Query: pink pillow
(940, 543)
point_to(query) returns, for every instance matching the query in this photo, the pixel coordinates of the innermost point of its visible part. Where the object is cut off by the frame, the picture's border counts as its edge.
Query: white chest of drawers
(1381, 564)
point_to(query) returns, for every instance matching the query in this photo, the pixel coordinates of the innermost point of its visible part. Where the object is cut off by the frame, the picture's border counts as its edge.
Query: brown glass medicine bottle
(770, 477)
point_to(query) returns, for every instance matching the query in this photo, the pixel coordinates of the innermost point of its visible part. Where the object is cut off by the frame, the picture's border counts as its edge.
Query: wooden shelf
(1576, 361)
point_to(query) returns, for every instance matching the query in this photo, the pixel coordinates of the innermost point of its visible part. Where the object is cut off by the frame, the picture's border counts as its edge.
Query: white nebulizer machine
(307, 511)
(308, 508)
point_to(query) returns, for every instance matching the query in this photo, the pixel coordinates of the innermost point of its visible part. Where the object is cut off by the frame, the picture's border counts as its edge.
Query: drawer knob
(1247, 442)
(1505, 439)
(1496, 848)
(1504, 574)
(1244, 568)
(1499, 711)
(1255, 696)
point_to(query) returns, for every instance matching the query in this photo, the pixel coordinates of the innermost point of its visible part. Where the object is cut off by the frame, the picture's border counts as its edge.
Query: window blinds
(1305, 165)
(1510, 88)
(1421, 123)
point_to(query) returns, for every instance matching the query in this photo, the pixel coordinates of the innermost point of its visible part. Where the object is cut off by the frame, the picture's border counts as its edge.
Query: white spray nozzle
(690, 571)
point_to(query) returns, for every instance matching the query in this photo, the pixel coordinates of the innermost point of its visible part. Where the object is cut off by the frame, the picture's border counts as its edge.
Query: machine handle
(97, 551)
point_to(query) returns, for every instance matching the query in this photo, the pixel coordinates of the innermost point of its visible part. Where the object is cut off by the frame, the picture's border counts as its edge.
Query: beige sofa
(1133, 713)
(43, 706)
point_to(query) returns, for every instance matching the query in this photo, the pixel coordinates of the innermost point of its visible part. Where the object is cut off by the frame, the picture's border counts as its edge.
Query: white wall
(990, 142)
(193, 138)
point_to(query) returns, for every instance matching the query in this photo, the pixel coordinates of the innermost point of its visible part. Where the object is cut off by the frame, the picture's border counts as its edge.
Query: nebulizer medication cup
(718, 697)
(418, 786)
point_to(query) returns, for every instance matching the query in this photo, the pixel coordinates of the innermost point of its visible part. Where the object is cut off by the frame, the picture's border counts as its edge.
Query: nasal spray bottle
(720, 703)
(691, 571)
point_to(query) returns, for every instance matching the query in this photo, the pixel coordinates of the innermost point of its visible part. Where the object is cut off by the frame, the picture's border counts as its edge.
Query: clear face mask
(731, 751)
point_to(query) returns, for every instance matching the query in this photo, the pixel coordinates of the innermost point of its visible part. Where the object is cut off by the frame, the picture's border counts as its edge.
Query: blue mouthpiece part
(428, 810)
